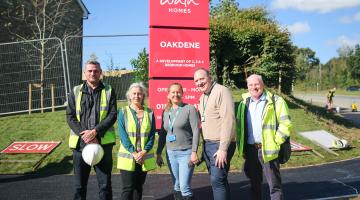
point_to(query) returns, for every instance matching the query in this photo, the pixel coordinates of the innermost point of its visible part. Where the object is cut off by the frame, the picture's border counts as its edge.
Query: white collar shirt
(254, 119)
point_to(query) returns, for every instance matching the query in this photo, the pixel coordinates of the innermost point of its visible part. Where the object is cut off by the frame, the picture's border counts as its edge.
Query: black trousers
(254, 168)
(103, 174)
(132, 183)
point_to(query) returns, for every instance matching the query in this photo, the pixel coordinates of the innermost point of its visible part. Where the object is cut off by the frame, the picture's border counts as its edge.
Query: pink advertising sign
(158, 95)
(177, 52)
(179, 13)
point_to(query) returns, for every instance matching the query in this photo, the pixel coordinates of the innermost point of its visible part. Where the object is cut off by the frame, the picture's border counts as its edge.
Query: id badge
(171, 137)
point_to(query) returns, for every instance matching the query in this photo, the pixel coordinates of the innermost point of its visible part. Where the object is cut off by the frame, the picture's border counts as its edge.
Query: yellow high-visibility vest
(109, 136)
(125, 159)
(271, 138)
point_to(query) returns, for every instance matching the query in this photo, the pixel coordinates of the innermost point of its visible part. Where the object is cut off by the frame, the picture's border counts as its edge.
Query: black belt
(256, 145)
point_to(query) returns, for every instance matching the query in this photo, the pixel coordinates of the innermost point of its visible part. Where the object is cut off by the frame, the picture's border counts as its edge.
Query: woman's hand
(142, 154)
(141, 157)
(135, 155)
(140, 161)
(159, 160)
(194, 158)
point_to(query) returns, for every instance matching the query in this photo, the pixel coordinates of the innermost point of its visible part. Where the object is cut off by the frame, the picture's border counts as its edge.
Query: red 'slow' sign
(158, 96)
(30, 147)
(179, 13)
(299, 147)
(177, 52)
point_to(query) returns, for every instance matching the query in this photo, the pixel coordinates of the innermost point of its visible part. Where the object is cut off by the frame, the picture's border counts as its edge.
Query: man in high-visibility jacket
(260, 132)
(91, 114)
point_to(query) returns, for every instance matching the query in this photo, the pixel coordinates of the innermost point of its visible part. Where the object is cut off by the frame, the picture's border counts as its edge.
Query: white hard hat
(340, 144)
(92, 154)
(345, 143)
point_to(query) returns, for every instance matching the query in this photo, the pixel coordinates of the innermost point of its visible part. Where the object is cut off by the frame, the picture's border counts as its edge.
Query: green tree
(245, 41)
(354, 63)
(334, 73)
(344, 51)
(141, 66)
(305, 60)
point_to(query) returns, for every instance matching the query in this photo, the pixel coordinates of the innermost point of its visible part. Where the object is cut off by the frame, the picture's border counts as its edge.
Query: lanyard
(204, 105)
(171, 123)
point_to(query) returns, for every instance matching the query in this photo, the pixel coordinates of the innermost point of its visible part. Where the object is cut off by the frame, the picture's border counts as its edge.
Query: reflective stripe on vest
(109, 136)
(125, 159)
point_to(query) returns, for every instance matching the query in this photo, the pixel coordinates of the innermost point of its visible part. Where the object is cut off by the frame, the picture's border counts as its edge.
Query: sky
(322, 25)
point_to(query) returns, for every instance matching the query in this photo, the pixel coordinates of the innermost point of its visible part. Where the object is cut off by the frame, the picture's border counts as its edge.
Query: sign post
(179, 44)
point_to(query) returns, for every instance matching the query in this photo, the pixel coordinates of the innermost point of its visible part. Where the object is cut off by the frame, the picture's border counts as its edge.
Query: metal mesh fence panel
(73, 51)
(120, 84)
(114, 52)
(35, 63)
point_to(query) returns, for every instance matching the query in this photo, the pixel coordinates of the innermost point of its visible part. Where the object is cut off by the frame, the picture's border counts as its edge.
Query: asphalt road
(342, 101)
(329, 181)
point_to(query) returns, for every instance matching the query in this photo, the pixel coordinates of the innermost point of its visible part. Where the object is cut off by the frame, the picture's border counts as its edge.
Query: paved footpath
(330, 181)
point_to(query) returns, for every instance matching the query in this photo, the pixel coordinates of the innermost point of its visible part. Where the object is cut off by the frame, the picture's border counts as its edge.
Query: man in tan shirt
(216, 107)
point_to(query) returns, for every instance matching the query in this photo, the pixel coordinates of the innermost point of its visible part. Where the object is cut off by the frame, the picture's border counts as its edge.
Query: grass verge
(53, 127)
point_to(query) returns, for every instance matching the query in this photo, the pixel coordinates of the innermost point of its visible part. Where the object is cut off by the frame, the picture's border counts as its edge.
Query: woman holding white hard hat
(137, 134)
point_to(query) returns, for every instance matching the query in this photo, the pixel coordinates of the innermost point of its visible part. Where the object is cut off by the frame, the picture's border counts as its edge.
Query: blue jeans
(218, 176)
(180, 171)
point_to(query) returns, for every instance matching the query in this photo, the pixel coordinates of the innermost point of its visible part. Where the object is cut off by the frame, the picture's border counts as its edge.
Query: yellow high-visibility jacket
(125, 159)
(272, 138)
(109, 136)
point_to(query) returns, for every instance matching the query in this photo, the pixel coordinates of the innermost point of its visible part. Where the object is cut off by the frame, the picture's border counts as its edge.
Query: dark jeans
(132, 183)
(218, 176)
(103, 174)
(254, 168)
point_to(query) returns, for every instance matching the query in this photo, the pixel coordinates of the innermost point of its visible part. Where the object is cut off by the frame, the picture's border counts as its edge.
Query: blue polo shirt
(254, 119)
